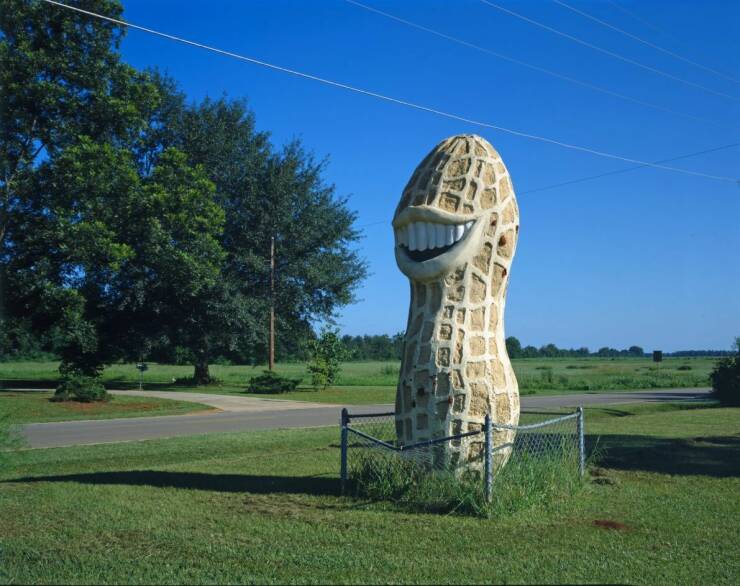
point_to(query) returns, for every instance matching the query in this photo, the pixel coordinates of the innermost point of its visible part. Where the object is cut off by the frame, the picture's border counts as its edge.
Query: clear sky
(648, 257)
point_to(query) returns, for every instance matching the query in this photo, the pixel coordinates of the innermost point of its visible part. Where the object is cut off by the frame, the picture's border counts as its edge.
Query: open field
(374, 382)
(37, 408)
(262, 507)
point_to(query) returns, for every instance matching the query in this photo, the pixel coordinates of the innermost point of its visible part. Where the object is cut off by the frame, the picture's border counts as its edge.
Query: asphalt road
(246, 414)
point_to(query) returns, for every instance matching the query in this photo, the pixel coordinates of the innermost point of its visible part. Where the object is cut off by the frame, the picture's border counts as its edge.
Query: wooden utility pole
(271, 363)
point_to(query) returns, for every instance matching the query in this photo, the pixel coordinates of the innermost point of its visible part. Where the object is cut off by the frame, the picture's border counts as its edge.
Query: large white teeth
(421, 236)
(429, 235)
(439, 230)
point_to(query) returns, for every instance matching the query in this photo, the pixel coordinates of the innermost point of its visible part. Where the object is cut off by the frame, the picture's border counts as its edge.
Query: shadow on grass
(717, 456)
(310, 485)
(117, 383)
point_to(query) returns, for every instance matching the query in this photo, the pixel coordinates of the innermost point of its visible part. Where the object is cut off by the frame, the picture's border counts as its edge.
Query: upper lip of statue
(427, 214)
(421, 261)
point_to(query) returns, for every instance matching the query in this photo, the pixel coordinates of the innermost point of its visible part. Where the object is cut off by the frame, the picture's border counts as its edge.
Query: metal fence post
(343, 456)
(488, 429)
(581, 444)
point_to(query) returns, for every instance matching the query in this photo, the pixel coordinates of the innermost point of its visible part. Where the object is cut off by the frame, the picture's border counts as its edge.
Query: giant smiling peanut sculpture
(456, 228)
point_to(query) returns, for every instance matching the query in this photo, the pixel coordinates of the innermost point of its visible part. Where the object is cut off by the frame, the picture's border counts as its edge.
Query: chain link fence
(543, 446)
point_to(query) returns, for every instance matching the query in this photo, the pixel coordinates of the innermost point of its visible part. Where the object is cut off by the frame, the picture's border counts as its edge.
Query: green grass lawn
(36, 408)
(262, 507)
(374, 382)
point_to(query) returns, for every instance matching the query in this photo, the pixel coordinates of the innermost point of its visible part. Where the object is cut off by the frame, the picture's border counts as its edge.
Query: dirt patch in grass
(609, 524)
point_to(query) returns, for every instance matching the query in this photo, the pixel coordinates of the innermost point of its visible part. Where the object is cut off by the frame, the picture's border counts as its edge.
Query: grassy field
(374, 382)
(263, 507)
(37, 408)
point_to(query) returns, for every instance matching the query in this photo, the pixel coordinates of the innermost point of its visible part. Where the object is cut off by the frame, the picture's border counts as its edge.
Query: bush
(327, 353)
(726, 379)
(684, 367)
(85, 389)
(270, 383)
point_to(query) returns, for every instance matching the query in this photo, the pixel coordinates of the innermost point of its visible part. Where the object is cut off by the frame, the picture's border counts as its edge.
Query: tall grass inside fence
(541, 470)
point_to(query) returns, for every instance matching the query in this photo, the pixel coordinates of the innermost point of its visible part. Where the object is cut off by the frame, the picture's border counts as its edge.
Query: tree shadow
(717, 456)
(229, 483)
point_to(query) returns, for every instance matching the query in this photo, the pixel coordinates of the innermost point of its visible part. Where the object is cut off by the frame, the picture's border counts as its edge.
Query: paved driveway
(246, 413)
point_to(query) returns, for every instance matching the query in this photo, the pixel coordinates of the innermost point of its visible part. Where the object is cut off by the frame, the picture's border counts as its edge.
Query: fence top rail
(417, 444)
(538, 424)
(351, 416)
(373, 439)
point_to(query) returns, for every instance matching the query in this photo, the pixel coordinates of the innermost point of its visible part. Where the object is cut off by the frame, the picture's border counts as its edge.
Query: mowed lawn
(262, 507)
(23, 407)
(374, 382)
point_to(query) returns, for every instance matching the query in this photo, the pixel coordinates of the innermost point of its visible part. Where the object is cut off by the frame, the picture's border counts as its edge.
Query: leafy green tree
(513, 347)
(327, 353)
(265, 195)
(530, 352)
(726, 378)
(60, 78)
(549, 351)
(636, 351)
(121, 257)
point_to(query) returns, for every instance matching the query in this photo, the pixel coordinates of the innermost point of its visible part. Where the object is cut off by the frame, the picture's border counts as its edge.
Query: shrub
(78, 387)
(327, 353)
(684, 367)
(270, 382)
(726, 379)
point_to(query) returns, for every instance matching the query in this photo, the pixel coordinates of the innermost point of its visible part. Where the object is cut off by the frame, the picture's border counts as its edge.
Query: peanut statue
(456, 229)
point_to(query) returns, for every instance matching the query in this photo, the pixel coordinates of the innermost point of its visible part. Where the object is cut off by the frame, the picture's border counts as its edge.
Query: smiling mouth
(425, 240)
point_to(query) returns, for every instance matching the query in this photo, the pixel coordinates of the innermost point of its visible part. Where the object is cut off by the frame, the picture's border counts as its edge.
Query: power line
(626, 169)
(600, 175)
(644, 42)
(607, 51)
(530, 65)
(646, 23)
(401, 102)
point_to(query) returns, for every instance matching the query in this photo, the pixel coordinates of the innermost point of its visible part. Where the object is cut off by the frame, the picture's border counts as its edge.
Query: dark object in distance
(657, 356)
(726, 379)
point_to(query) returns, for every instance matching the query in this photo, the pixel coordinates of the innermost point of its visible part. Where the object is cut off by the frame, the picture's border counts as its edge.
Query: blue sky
(648, 257)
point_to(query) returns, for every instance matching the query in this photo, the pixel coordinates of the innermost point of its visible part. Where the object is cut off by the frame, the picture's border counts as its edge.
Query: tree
(530, 352)
(636, 351)
(121, 256)
(513, 347)
(265, 195)
(549, 351)
(60, 78)
(726, 378)
(327, 354)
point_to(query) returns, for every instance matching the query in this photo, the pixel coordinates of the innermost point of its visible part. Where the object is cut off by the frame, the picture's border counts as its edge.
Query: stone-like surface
(454, 346)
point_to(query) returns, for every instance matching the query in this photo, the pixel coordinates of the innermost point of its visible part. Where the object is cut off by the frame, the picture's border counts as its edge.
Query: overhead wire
(648, 24)
(516, 61)
(607, 51)
(643, 41)
(600, 175)
(386, 98)
(627, 169)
